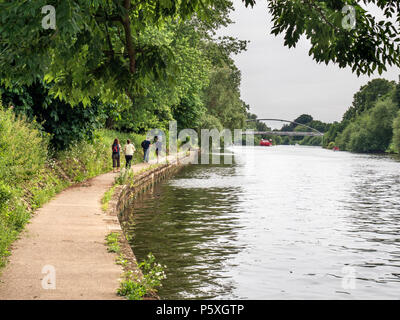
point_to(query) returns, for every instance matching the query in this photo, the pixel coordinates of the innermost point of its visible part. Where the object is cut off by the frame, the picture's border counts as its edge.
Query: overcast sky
(278, 82)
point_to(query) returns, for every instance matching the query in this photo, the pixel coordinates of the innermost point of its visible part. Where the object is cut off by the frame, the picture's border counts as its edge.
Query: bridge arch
(282, 120)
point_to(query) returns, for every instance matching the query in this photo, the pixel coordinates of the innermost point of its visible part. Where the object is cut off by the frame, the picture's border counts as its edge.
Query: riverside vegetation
(53, 136)
(134, 286)
(370, 125)
(117, 69)
(30, 174)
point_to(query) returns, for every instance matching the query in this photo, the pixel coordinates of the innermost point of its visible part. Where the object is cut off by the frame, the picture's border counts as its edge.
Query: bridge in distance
(314, 133)
(285, 133)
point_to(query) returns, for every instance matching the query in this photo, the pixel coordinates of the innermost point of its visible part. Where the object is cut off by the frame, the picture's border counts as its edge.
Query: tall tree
(367, 96)
(97, 48)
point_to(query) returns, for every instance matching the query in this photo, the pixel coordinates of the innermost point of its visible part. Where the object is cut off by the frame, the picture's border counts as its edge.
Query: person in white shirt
(129, 149)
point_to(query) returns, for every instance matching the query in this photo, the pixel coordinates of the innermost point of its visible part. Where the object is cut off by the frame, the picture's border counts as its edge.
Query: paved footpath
(66, 239)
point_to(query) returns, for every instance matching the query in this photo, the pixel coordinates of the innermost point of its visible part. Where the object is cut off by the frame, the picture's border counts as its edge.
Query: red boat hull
(265, 143)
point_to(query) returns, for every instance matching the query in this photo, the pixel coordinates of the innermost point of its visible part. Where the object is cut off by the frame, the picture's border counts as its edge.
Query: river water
(283, 222)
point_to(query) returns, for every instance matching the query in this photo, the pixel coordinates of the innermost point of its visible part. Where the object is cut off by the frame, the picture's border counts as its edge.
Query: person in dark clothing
(116, 151)
(146, 148)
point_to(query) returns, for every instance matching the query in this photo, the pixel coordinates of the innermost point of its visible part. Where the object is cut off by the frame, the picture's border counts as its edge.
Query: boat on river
(266, 142)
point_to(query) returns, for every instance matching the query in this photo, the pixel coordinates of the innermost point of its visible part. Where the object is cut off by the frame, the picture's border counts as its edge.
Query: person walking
(146, 148)
(129, 149)
(116, 150)
(158, 144)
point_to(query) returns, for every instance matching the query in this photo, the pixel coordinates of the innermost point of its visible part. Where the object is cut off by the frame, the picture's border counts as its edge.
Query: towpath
(64, 245)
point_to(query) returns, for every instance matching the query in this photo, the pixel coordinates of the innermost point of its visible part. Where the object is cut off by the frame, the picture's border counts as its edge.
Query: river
(284, 222)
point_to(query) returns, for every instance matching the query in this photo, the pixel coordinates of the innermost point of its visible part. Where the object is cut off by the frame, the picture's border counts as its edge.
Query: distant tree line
(303, 123)
(372, 122)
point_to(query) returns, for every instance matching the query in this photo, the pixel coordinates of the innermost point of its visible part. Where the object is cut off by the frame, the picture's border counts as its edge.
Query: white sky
(278, 82)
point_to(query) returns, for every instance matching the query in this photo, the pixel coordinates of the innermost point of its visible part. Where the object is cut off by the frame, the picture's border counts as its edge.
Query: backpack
(115, 148)
(143, 144)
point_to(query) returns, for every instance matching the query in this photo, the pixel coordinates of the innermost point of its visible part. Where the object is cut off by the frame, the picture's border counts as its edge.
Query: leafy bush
(372, 131)
(135, 288)
(30, 176)
(311, 141)
(396, 133)
(113, 242)
(331, 145)
(66, 124)
(131, 287)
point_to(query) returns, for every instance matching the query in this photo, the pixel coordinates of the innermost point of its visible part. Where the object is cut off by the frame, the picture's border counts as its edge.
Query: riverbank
(31, 175)
(62, 253)
(65, 236)
(137, 285)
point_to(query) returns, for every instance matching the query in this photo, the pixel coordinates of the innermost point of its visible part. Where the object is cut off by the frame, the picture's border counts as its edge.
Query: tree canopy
(182, 72)
(112, 48)
(370, 124)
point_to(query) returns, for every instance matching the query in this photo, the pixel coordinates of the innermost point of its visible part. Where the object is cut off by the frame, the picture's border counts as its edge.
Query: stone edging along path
(61, 254)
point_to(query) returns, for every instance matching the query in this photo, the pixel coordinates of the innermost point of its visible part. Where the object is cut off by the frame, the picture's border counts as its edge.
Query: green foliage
(305, 119)
(23, 153)
(365, 99)
(222, 97)
(372, 131)
(369, 46)
(135, 288)
(112, 241)
(65, 123)
(131, 288)
(304, 123)
(367, 96)
(125, 65)
(100, 47)
(258, 126)
(106, 198)
(111, 49)
(209, 121)
(29, 176)
(396, 95)
(334, 130)
(153, 272)
(331, 145)
(255, 125)
(88, 159)
(127, 177)
(396, 133)
(23, 147)
(311, 141)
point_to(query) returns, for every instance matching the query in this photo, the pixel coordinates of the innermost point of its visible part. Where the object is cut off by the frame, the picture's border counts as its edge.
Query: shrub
(396, 133)
(372, 131)
(30, 176)
(135, 288)
(331, 145)
(23, 154)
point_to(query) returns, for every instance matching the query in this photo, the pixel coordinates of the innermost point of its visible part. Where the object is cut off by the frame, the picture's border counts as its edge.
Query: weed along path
(62, 252)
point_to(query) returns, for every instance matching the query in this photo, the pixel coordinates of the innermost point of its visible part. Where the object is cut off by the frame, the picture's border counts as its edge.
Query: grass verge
(30, 176)
(142, 280)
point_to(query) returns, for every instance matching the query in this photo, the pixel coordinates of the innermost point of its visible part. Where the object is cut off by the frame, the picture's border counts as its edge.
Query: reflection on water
(279, 223)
